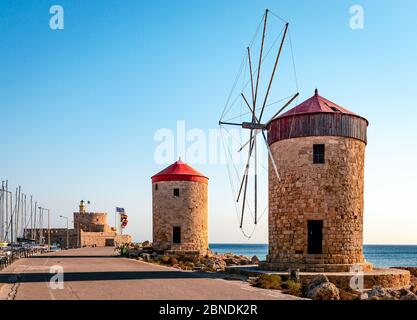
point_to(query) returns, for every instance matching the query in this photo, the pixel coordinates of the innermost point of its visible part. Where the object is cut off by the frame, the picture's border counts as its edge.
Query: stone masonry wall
(91, 221)
(103, 239)
(188, 211)
(80, 238)
(332, 192)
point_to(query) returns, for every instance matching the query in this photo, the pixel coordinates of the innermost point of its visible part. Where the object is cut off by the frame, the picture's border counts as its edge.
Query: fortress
(90, 229)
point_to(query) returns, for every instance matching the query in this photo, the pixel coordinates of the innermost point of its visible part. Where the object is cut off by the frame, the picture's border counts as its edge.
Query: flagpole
(118, 220)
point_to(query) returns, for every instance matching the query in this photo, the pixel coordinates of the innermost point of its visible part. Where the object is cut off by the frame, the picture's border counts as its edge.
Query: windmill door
(315, 236)
(176, 235)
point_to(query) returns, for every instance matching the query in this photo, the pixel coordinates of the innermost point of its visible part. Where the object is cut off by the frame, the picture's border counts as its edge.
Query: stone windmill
(316, 178)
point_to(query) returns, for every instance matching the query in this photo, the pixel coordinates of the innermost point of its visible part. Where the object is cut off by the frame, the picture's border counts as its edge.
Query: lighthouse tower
(316, 209)
(180, 210)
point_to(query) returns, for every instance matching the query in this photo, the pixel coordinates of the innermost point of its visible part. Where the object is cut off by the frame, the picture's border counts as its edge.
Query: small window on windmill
(176, 192)
(318, 153)
(156, 186)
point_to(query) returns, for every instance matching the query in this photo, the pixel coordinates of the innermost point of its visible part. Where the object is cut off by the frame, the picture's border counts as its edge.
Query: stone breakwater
(211, 262)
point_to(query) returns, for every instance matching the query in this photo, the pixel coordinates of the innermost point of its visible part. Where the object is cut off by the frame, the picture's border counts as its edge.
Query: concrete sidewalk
(98, 273)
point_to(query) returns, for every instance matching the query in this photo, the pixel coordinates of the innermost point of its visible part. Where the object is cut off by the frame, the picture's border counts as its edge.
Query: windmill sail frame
(256, 126)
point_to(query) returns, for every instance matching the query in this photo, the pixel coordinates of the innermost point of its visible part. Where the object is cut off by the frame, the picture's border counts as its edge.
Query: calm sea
(379, 255)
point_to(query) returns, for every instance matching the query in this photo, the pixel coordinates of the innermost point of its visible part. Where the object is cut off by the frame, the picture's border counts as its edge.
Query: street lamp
(49, 226)
(66, 218)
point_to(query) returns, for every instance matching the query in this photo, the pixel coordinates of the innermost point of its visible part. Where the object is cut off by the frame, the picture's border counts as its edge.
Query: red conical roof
(316, 104)
(179, 171)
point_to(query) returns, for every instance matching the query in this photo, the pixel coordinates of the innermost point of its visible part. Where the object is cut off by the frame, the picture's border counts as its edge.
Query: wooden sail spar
(256, 108)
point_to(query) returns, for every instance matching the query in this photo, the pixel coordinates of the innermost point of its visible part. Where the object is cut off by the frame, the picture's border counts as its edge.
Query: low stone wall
(386, 278)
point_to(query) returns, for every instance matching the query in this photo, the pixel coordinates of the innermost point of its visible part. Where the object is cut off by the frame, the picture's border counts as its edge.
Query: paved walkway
(97, 273)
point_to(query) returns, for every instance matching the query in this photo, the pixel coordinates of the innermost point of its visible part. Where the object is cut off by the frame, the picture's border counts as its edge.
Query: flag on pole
(123, 220)
(123, 217)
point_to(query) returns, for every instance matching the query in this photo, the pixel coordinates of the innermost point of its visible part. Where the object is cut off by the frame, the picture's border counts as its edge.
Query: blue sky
(80, 106)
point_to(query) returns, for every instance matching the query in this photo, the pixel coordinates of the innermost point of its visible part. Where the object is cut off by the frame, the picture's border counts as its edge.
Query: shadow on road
(103, 276)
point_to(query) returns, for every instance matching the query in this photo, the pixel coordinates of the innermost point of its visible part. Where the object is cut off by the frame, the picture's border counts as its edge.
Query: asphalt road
(98, 273)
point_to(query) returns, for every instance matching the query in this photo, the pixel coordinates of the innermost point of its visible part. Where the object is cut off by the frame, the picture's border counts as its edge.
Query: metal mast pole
(13, 213)
(40, 225)
(49, 230)
(31, 217)
(25, 218)
(2, 212)
(9, 200)
(18, 211)
(18, 234)
(67, 236)
(34, 221)
(49, 226)
(7, 207)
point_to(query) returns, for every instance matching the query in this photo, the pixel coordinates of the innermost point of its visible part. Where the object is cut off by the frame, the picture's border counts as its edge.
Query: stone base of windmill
(316, 267)
(360, 276)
